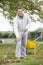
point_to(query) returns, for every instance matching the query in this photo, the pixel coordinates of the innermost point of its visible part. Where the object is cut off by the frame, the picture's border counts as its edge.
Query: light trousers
(21, 46)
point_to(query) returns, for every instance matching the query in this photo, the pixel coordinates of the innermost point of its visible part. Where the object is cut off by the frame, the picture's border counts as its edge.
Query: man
(20, 22)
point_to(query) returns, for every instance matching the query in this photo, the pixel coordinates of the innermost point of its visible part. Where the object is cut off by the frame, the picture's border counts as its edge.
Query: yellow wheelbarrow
(32, 44)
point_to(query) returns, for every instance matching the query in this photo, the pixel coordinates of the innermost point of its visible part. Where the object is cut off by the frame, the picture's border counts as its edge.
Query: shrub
(0, 35)
(12, 35)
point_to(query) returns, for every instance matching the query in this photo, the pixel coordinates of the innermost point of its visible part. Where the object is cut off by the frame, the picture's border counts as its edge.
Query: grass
(31, 58)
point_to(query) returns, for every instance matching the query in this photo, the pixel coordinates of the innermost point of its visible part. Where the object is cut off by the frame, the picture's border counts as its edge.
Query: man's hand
(19, 38)
(25, 29)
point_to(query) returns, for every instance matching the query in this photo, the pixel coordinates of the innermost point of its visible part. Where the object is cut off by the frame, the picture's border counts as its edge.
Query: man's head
(20, 12)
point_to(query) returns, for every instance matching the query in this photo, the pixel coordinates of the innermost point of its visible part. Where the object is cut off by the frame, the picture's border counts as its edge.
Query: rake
(9, 51)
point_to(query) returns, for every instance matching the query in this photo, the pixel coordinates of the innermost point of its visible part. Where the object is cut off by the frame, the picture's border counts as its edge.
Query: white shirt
(21, 23)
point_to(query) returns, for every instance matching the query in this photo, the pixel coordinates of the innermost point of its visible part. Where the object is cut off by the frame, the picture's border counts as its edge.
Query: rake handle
(12, 47)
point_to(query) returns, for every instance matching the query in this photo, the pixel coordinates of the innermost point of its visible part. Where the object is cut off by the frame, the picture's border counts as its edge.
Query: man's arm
(29, 22)
(16, 28)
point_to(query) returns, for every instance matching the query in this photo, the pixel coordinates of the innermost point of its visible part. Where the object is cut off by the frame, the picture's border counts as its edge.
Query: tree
(9, 7)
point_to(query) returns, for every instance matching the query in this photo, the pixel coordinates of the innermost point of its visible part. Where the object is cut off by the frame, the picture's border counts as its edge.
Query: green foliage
(30, 5)
(34, 35)
(5, 35)
(0, 35)
(12, 35)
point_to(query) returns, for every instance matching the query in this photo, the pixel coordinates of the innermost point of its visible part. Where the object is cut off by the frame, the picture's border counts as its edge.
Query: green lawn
(31, 58)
